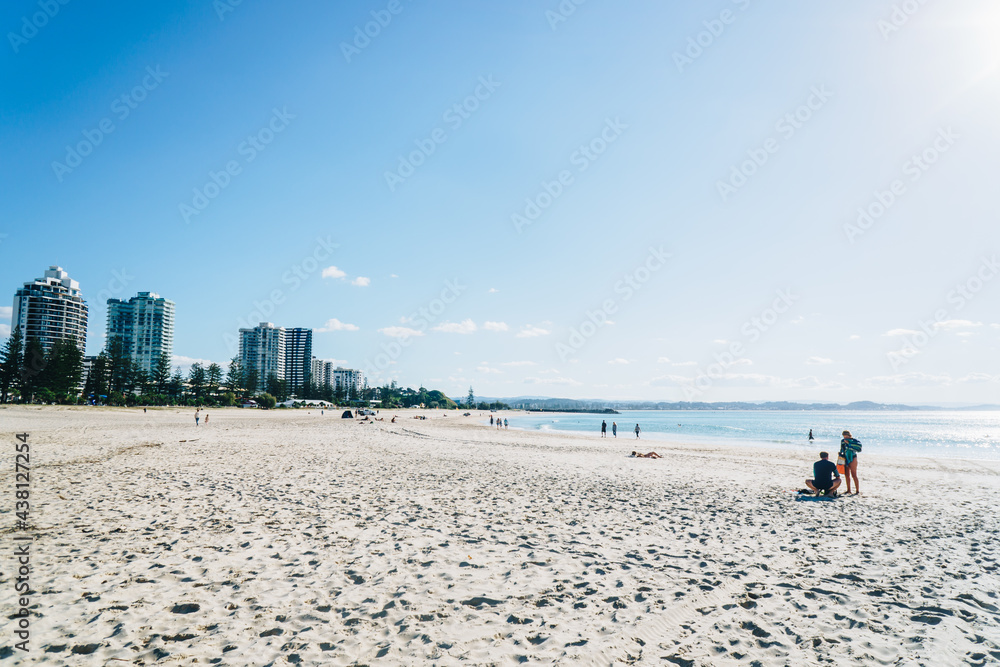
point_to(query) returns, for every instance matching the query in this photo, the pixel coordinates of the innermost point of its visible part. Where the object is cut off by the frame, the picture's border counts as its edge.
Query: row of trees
(28, 374)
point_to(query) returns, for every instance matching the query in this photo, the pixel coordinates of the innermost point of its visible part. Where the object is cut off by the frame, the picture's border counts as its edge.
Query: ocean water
(967, 435)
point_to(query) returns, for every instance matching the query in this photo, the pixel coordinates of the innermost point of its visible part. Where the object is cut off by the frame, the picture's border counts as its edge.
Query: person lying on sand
(651, 455)
(826, 478)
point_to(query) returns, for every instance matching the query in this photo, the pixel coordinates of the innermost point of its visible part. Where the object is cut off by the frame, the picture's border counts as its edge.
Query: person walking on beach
(604, 429)
(849, 449)
(825, 479)
(197, 416)
(505, 423)
(491, 420)
(614, 429)
(637, 431)
(206, 419)
(811, 438)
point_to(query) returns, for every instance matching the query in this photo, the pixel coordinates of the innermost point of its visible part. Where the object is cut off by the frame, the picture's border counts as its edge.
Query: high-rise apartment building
(347, 380)
(51, 308)
(262, 350)
(145, 325)
(298, 358)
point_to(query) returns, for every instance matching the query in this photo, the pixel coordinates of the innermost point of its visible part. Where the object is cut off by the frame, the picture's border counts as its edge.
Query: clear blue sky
(666, 121)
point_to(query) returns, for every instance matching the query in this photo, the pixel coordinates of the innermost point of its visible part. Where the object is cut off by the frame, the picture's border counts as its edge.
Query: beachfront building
(145, 326)
(51, 308)
(347, 381)
(322, 372)
(298, 358)
(262, 350)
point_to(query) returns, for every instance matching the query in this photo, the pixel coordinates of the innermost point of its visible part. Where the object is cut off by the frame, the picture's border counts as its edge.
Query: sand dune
(286, 537)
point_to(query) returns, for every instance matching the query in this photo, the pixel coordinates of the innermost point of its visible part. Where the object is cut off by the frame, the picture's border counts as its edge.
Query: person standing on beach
(505, 423)
(197, 416)
(206, 419)
(614, 429)
(604, 429)
(637, 431)
(849, 449)
(491, 420)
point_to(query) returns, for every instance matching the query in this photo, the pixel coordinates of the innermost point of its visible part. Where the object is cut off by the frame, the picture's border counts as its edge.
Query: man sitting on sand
(827, 479)
(651, 455)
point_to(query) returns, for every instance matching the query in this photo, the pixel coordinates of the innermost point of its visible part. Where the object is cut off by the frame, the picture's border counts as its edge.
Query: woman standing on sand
(637, 431)
(849, 448)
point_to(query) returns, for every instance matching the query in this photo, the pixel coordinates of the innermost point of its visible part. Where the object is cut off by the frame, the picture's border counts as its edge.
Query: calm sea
(970, 435)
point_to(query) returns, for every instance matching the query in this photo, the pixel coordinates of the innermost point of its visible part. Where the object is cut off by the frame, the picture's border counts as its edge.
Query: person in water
(849, 449)
(811, 438)
(825, 479)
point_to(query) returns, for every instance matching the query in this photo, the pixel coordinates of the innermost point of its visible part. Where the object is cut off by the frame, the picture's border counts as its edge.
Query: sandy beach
(287, 537)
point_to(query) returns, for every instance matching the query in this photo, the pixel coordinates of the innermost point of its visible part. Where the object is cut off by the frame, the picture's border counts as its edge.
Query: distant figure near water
(614, 429)
(636, 430)
(604, 429)
(811, 438)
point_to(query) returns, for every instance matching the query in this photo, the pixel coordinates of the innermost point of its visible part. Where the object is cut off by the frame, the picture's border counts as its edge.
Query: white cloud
(619, 361)
(493, 290)
(978, 378)
(400, 332)
(6, 312)
(818, 361)
(750, 380)
(333, 324)
(495, 326)
(333, 272)
(486, 369)
(393, 275)
(186, 362)
(531, 331)
(361, 281)
(956, 324)
(720, 341)
(663, 360)
(906, 380)
(519, 363)
(4, 330)
(463, 327)
(669, 381)
(855, 337)
(551, 380)
(900, 332)
(685, 363)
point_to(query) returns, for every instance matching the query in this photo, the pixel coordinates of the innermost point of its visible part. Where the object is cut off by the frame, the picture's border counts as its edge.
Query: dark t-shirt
(824, 471)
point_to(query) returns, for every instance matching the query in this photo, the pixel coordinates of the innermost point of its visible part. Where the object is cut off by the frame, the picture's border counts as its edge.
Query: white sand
(300, 539)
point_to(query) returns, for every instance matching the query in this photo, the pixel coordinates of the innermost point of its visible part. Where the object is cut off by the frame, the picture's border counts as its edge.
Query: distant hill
(544, 403)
